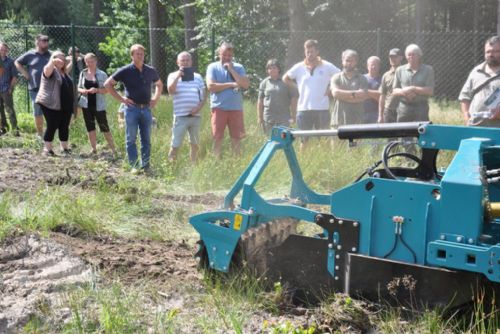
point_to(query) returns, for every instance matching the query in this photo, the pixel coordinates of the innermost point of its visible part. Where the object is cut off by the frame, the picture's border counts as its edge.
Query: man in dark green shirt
(350, 90)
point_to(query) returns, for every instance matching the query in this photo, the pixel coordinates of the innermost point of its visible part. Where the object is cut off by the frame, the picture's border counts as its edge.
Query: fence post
(212, 40)
(378, 42)
(28, 99)
(74, 68)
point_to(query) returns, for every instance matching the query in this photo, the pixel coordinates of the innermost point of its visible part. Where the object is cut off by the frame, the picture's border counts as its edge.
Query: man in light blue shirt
(225, 81)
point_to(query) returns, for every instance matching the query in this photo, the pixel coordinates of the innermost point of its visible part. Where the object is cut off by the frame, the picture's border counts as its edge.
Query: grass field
(136, 208)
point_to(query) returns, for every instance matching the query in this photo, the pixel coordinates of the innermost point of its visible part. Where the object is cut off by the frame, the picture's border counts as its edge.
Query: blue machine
(429, 235)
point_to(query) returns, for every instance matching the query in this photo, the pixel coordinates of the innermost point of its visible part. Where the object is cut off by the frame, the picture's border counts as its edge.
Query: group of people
(303, 94)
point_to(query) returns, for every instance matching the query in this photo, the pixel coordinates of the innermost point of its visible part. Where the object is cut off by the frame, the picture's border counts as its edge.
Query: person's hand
(495, 113)
(58, 62)
(260, 121)
(121, 120)
(291, 121)
(180, 72)
(93, 90)
(153, 103)
(127, 101)
(228, 66)
(195, 111)
(380, 119)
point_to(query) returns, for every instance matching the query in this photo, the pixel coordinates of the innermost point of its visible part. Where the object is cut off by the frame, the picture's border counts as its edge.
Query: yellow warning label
(237, 222)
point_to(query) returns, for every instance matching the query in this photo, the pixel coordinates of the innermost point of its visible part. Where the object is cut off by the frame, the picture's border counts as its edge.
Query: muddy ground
(36, 271)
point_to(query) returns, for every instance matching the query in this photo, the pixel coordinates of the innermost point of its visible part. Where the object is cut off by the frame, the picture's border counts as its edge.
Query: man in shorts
(225, 81)
(31, 65)
(188, 92)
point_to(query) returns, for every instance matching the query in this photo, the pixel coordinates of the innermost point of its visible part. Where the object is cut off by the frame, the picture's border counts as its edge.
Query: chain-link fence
(452, 54)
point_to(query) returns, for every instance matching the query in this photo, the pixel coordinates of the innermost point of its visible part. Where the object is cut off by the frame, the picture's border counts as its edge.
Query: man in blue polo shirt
(137, 78)
(34, 61)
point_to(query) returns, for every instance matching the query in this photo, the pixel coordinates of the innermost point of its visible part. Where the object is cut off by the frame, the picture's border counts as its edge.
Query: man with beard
(34, 61)
(414, 85)
(480, 96)
(350, 90)
(388, 103)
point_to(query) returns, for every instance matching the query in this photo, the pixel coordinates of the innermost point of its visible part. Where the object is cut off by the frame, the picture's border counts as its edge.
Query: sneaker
(48, 153)
(3, 131)
(136, 171)
(66, 152)
(17, 133)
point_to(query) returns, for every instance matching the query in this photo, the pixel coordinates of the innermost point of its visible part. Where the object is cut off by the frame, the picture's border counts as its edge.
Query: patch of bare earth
(35, 271)
(26, 170)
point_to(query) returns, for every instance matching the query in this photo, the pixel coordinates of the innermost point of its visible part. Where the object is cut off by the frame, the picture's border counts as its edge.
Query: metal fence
(452, 54)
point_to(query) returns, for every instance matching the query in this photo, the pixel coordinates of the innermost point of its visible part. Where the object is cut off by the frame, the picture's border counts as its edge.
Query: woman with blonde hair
(93, 101)
(55, 98)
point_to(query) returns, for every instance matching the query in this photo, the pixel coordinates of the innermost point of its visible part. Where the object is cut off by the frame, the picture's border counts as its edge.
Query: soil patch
(26, 170)
(34, 273)
(134, 260)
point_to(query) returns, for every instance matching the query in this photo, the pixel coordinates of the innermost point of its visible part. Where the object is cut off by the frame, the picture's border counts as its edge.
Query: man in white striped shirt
(188, 92)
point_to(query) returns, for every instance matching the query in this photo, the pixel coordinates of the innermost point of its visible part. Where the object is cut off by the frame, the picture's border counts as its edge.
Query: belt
(414, 103)
(142, 106)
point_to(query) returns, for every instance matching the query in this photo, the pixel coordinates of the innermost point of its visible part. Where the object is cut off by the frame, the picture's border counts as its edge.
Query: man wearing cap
(350, 90)
(414, 85)
(388, 103)
(34, 61)
(482, 85)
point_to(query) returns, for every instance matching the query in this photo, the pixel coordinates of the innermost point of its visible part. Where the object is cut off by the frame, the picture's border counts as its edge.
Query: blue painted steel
(439, 222)
(466, 257)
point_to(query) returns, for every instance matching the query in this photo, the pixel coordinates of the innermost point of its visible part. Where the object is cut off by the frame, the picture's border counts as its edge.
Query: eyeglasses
(44, 40)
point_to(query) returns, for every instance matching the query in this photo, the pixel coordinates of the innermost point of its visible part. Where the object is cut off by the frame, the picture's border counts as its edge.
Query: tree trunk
(189, 33)
(96, 10)
(297, 24)
(157, 21)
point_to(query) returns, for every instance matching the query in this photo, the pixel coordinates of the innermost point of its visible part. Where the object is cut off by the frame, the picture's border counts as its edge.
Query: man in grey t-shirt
(30, 65)
(483, 81)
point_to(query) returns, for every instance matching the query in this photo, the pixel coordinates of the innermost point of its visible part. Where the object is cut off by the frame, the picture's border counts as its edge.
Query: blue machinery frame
(444, 220)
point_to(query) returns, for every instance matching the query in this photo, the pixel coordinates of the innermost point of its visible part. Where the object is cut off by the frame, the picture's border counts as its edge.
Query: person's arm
(156, 97)
(50, 67)
(13, 83)
(69, 65)
(293, 108)
(241, 79)
(381, 107)
(349, 96)
(260, 111)
(109, 84)
(373, 94)
(200, 105)
(215, 87)
(465, 107)
(172, 80)
(21, 69)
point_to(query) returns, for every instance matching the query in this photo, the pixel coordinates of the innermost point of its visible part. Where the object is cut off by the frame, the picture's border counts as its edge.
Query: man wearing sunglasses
(31, 65)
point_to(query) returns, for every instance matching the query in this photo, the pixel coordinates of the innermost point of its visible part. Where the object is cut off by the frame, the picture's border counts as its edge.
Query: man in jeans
(34, 61)
(137, 78)
(7, 82)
